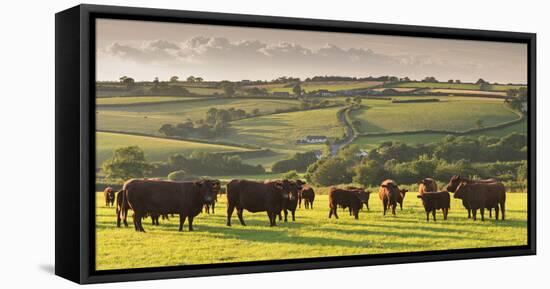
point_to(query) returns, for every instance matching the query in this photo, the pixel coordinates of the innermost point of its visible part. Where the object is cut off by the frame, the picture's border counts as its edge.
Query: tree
(291, 175)
(348, 100)
(174, 79)
(450, 81)
(481, 81)
(228, 89)
(458, 81)
(191, 79)
(479, 123)
(297, 90)
(199, 79)
(370, 173)
(126, 163)
(429, 79)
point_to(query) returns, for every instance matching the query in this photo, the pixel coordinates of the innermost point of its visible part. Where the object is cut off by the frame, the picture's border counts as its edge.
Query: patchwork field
(312, 86)
(149, 118)
(156, 149)
(468, 86)
(450, 113)
(125, 100)
(312, 235)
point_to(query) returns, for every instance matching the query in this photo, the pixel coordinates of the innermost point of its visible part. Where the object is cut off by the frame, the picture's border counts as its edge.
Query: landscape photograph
(225, 144)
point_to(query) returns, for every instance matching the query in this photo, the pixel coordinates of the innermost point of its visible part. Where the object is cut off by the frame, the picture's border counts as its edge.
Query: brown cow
(256, 197)
(457, 179)
(389, 194)
(308, 195)
(367, 197)
(482, 196)
(166, 197)
(433, 201)
(109, 195)
(121, 211)
(427, 185)
(212, 205)
(401, 197)
(294, 188)
(352, 199)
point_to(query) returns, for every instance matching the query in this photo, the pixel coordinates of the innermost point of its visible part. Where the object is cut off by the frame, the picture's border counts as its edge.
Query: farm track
(349, 134)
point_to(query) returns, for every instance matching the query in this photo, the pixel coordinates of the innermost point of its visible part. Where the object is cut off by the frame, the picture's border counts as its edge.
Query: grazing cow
(294, 188)
(120, 214)
(109, 195)
(257, 197)
(427, 185)
(308, 195)
(457, 179)
(212, 205)
(389, 194)
(352, 199)
(433, 201)
(482, 196)
(166, 197)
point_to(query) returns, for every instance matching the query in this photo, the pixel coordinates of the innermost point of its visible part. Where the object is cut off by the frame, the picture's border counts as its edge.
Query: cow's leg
(385, 205)
(367, 204)
(401, 205)
(280, 215)
(293, 213)
(502, 210)
(125, 218)
(490, 213)
(311, 204)
(330, 213)
(190, 223)
(445, 213)
(427, 216)
(474, 214)
(213, 205)
(240, 215)
(335, 213)
(230, 209)
(482, 212)
(393, 207)
(433, 214)
(469, 213)
(496, 213)
(182, 221)
(141, 229)
(286, 215)
(300, 203)
(134, 219)
(349, 208)
(118, 219)
(356, 214)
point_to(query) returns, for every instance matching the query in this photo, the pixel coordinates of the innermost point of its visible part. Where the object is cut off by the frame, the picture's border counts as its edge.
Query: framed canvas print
(195, 144)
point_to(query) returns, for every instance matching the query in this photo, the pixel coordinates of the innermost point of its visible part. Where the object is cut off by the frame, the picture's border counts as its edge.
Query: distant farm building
(281, 93)
(318, 154)
(313, 139)
(362, 154)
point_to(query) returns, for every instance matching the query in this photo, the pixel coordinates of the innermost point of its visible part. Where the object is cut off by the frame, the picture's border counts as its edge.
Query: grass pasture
(312, 235)
(125, 100)
(450, 113)
(156, 149)
(312, 86)
(467, 86)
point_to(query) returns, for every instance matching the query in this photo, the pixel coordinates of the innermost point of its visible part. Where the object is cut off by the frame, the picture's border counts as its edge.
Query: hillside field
(467, 86)
(125, 100)
(312, 235)
(156, 149)
(450, 113)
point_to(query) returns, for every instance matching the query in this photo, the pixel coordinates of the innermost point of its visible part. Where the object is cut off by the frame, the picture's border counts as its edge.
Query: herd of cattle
(159, 198)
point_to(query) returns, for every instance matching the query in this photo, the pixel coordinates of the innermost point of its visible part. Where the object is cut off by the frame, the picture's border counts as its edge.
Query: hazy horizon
(144, 50)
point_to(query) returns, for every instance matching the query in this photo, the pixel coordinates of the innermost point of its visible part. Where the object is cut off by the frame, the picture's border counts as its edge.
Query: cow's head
(426, 182)
(461, 190)
(208, 189)
(292, 188)
(453, 183)
(402, 192)
(361, 195)
(282, 188)
(300, 184)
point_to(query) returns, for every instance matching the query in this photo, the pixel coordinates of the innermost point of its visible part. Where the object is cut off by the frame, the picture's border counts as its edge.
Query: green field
(149, 118)
(468, 86)
(280, 131)
(156, 149)
(124, 100)
(312, 86)
(312, 235)
(450, 113)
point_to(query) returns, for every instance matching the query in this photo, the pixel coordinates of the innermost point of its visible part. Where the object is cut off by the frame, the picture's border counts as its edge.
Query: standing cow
(352, 199)
(109, 195)
(257, 197)
(210, 205)
(390, 195)
(294, 188)
(308, 195)
(482, 196)
(363, 192)
(165, 197)
(427, 185)
(401, 197)
(457, 179)
(121, 211)
(433, 201)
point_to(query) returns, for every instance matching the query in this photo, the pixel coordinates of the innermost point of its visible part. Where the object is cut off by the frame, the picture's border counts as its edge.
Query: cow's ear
(419, 196)
(384, 186)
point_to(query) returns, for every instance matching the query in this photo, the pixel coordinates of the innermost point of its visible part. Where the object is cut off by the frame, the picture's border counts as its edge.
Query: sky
(144, 50)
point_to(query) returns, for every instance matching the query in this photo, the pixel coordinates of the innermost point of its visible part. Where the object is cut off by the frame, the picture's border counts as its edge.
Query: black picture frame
(75, 142)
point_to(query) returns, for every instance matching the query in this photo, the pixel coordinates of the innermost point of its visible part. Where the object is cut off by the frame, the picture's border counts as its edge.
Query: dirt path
(349, 136)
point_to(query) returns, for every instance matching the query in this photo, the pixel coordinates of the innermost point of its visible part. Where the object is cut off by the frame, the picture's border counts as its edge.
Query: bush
(177, 175)
(291, 175)
(299, 162)
(331, 172)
